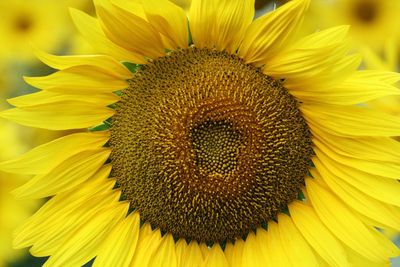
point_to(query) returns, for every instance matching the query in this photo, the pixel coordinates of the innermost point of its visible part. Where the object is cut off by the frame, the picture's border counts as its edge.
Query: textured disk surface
(207, 147)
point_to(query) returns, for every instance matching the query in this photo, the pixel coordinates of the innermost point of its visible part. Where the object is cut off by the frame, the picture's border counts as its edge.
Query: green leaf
(132, 67)
(102, 127)
(190, 41)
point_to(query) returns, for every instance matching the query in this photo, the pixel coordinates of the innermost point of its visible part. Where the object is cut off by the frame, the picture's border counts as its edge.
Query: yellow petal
(372, 208)
(80, 199)
(129, 30)
(347, 227)
(229, 248)
(271, 32)
(322, 263)
(277, 254)
(216, 258)
(146, 246)
(100, 61)
(118, 248)
(61, 115)
(145, 232)
(98, 185)
(70, 173)
(201, 21)
(309, 58)
(50, 231)
(180, 248)
(133, 6)
(234, 253)
(44, 158)
(45, 97)
(385, 242)
(220, 23)
(354, 90)
(384, 169)
(381, 188)
(358, 261)
(351, 120)
(262, 240)
(170, 20)
(233, 19)
(329, 76)
(366, 148)
(252, 255)
(192, 257)
(79, 80)
(83, 246)
(205, 250)
(90, 28)
(389, 77)
(297, 249)
(317, 235)
(164, 254)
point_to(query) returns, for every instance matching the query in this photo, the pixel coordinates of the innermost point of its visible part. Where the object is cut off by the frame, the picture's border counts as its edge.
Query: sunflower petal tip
(12, 101)
(76, 14)
(28, 80)
(17, 242)
(42, 56)
(73, 11)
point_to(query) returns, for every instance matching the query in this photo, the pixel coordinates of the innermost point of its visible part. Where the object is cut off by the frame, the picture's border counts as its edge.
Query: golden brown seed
(207, 147)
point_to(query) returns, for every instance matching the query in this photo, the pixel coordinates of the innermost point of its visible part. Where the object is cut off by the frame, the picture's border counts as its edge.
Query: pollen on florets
(207, 147)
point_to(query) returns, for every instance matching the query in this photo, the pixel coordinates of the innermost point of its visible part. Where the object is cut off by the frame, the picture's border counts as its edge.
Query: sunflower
(42, 23)
(372, 21)
(240, 147)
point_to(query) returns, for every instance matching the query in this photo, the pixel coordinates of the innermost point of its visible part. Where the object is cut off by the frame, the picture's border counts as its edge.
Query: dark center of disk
(207, 147)
(366, 10)
(23, 24)
(217, 147)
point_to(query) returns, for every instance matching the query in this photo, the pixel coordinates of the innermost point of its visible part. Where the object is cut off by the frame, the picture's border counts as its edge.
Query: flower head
(42, 23)
(372, 22)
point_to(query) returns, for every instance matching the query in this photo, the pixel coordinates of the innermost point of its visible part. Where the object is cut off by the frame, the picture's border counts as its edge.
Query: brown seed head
(207, 147)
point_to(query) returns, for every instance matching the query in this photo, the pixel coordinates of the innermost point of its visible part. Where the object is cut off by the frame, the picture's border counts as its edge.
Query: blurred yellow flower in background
(25, 22)
(12, 211)
(372, 21)
(45, 24)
